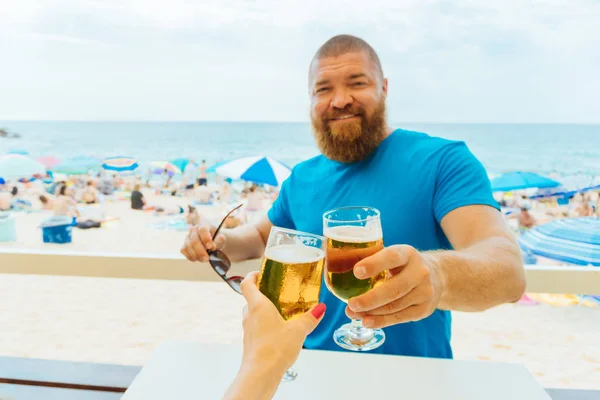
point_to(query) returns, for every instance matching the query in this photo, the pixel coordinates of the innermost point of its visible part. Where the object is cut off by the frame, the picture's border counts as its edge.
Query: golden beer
(290, 276)
(346, 246)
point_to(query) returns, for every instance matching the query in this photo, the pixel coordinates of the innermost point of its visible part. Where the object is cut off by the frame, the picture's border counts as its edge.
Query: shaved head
(343, 44)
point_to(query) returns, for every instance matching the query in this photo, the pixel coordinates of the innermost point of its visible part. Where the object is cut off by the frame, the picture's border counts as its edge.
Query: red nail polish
(319, 310)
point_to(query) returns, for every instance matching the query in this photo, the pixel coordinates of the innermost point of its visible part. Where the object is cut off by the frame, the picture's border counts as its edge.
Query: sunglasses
(221, 264)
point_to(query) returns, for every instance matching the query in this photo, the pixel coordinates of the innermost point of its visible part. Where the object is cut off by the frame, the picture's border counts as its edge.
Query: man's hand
(411, 292)
(199, 242)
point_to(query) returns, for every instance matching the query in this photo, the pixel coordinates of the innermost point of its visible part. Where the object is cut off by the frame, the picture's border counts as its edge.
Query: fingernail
(319, 310)
(360, 272)
(368, 322)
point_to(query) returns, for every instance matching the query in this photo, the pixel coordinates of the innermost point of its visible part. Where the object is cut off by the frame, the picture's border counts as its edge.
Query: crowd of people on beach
(63, 197)
(529, 213)
(69, 195)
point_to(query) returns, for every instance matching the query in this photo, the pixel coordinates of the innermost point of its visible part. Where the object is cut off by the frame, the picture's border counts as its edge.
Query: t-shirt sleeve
(279, 214)
(461, 181)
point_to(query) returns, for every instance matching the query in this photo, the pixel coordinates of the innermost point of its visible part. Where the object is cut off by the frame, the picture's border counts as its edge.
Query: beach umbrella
(2, 181)
(18, 151)
(16, 166)
(120, 164)
(521, 180)
(565, 193)
(570, 186)
(574, 240)
(48, 161)
(180, 163)
(162, 165)
(79, 165)
(159, 171)
(213, 168)
(261, 170)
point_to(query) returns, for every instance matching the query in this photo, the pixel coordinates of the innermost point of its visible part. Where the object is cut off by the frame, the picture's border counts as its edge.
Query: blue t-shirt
(414, 180)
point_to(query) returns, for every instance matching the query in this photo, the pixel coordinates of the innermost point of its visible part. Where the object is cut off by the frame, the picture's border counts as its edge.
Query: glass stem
(289, 375)
(357, 325)
(358, 333)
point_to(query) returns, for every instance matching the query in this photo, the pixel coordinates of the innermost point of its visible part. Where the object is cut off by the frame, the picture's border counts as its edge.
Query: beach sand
(123, 320)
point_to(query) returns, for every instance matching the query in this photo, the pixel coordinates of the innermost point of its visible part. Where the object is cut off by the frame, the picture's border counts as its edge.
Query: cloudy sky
(219, 60)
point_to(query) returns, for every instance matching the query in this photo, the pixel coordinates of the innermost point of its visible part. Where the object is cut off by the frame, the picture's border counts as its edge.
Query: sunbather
(64, 203)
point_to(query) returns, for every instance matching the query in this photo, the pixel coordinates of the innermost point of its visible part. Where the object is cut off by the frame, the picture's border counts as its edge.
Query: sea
(560, 149)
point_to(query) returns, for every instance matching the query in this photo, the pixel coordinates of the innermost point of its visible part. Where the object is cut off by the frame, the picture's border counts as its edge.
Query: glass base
(289, 375)
(355, 337)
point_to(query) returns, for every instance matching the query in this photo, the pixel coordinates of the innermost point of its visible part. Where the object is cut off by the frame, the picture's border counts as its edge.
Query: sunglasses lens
(235, 282)
(219, 262)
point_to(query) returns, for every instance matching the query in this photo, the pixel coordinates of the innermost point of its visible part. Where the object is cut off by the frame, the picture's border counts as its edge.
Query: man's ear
(384, 86)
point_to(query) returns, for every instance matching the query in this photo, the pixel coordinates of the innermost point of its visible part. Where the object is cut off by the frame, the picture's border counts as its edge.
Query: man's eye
(322, 90)
(358, 84)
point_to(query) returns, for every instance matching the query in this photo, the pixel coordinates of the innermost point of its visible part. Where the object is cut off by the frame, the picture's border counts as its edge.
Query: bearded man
(447, 245)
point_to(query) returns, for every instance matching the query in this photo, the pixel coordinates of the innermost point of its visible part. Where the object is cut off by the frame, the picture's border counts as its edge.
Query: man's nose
(341, 99)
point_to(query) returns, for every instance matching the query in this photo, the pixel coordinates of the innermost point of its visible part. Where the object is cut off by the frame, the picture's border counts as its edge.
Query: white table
(179, 370)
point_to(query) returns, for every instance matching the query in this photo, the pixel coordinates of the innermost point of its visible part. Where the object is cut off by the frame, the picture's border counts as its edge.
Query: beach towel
(557, 300)
(177, 224)
(528, 301)
(197, 203)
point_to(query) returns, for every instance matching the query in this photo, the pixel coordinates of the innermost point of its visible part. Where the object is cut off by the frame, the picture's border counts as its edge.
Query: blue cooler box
(8, 228)
(57, 229)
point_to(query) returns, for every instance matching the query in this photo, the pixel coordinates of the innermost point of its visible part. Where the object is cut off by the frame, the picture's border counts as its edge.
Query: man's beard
(350, 141)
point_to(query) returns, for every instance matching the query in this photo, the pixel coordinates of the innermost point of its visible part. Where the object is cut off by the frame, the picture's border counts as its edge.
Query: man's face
(347, 106)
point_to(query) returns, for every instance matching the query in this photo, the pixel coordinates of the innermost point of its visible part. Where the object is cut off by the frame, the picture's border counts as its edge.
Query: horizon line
(297, 122)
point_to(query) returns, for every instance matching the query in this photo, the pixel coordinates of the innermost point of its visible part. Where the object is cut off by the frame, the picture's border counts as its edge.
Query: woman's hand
(271, 344)
(268, 338)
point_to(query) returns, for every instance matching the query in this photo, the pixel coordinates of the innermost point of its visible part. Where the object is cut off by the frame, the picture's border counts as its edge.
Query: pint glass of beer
(291, 273)
(352, 233)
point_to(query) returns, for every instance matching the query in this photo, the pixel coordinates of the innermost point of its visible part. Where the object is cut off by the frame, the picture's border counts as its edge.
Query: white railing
(540, 279)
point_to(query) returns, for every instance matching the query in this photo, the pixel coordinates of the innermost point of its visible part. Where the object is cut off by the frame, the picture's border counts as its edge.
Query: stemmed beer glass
(352, 233)
(291, 273)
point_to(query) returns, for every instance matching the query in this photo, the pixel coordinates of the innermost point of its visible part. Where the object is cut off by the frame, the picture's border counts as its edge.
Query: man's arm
(484, 270)
(247, 242)
(485, 267)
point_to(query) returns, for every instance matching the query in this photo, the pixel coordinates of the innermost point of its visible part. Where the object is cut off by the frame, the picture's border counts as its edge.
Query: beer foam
(352, 234)
(294, 254)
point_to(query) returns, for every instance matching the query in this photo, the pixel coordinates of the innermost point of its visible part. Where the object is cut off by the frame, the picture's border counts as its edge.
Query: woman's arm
(255, 383)
(271, 344)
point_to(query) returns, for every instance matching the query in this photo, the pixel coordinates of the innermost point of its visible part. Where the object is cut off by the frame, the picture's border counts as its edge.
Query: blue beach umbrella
(569, 187)
(120, 164)
(521, 180)
(565, 193)
(261, 170)
(575, 240)
(79, 165)
(180, 163)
